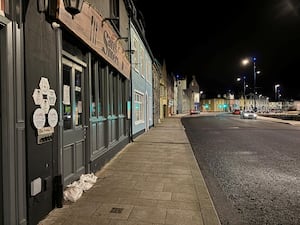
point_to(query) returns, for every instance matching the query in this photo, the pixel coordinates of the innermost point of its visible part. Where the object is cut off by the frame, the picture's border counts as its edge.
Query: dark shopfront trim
(98, 163)
(107, 132)
(13, 173)
(1, 170)
(3, 22)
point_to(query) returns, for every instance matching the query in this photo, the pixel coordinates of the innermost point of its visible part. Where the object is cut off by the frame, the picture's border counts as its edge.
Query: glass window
(101, 86)
(142, 66)
(67, 110)
(115, 94)
(135, 61)
(93, 106)
(72, 95)
(110, 94)
(139, 106)
(78, 99)
(122, 96)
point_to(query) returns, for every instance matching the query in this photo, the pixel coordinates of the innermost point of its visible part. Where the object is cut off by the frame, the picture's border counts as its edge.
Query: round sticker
(39, 118)
(52, 117)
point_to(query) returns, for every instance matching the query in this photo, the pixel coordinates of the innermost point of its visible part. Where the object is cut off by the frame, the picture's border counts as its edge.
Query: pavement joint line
(163, 142)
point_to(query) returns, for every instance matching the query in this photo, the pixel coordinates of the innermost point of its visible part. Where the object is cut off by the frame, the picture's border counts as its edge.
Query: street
(251, 167)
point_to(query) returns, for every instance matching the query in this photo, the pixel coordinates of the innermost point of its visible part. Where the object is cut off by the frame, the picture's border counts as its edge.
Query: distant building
(157, 74)
(163, 100)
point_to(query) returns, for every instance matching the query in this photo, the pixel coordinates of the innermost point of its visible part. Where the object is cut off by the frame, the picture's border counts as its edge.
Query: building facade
(65, 87)
(156, 68)
(141, 77)
(163, 100)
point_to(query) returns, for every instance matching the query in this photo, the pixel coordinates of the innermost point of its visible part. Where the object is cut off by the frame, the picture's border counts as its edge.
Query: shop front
(77, 88)
(95, 91)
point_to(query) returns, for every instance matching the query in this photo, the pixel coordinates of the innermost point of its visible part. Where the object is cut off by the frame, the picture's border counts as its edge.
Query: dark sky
(209, 39)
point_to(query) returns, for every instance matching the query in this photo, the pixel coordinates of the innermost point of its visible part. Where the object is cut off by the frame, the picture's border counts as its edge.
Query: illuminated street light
(245, 62)
(244, 89)
(276, 91)
(200, 93)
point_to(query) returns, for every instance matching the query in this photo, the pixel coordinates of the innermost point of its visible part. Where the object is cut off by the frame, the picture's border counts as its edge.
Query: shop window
(122, 96)
(78, 98)
(67, 109)
(93, 91)
(101, 92)
(115, 94)
(110, 93)
(72, 95)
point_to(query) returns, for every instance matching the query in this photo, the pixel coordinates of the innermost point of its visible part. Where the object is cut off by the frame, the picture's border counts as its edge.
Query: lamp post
(200, 93)
(276, 91)
(244, 89)
(245, 62)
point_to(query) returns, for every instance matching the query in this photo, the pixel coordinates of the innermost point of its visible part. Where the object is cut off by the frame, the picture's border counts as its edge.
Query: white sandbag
(72, 193)
(74, 190)
(90, 178)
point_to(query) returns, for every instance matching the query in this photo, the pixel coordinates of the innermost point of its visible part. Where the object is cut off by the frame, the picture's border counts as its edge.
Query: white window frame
(135, 60)
(139, 114)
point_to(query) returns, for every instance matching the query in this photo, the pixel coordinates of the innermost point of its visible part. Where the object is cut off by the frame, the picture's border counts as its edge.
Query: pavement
(154, 180)
(291, 122)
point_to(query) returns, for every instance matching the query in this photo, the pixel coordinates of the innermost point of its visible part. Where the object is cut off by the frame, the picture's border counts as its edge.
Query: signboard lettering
(110, 47)
(97, 33)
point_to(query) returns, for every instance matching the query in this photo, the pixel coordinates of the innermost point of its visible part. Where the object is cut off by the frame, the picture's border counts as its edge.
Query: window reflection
(78, 99)
(67, 110)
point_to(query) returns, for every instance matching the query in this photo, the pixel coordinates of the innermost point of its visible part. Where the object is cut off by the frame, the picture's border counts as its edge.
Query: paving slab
(154, 180)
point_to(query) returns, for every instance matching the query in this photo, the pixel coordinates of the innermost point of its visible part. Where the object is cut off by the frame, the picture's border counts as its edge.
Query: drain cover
(116, 210)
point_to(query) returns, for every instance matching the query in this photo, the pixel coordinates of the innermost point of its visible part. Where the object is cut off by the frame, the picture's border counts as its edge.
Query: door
(74, 129)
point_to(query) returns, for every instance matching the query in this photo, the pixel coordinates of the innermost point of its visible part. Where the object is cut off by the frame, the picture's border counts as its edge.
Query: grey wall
(41, 60)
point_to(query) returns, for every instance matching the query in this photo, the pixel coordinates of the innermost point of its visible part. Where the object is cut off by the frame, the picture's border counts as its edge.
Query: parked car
(247, 114)
(194, 111)
(236, 112)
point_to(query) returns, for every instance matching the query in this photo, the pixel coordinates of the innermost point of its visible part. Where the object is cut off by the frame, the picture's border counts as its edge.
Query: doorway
(74, 124)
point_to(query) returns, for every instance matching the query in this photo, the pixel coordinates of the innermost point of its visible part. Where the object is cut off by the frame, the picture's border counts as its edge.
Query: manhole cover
(116, 210)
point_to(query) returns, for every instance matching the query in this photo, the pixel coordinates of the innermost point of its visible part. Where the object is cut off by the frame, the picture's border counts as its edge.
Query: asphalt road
(251, 167)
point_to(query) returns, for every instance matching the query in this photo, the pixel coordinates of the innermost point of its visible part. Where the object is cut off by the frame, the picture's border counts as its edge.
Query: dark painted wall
(1, 175)
(41, 60)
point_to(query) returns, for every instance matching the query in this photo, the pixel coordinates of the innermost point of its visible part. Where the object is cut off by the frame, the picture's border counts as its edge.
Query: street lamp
(276, 91)
(200, 93)
(244, 89)
(245, 62)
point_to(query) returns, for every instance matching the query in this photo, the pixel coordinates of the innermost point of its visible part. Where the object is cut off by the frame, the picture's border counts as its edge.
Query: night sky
(210, 39)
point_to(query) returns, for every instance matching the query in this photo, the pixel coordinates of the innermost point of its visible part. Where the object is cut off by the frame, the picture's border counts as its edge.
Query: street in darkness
(251, 167)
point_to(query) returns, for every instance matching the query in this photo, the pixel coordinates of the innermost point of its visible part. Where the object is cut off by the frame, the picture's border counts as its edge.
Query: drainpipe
(130, 76)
